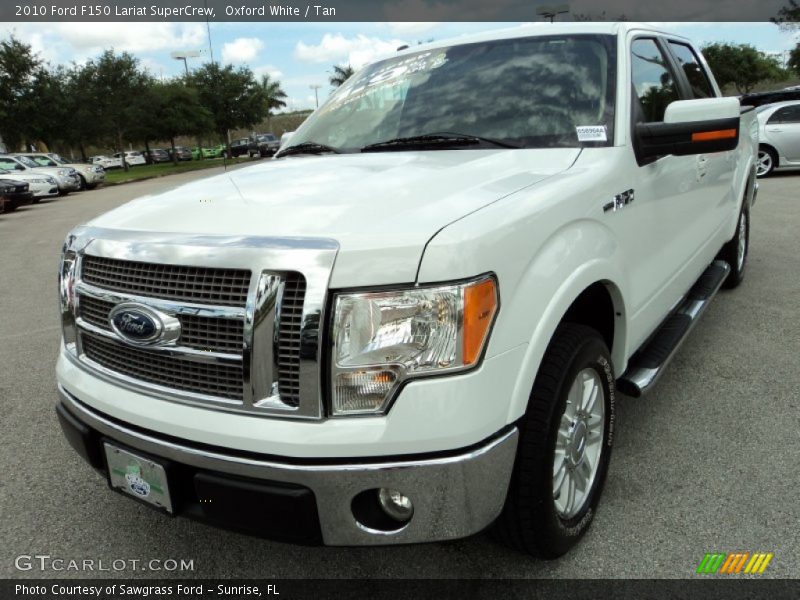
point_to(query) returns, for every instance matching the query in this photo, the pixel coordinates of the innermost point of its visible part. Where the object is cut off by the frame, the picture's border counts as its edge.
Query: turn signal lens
(480, 305)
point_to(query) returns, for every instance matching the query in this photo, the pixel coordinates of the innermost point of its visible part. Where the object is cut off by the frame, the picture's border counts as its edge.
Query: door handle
(774, 129)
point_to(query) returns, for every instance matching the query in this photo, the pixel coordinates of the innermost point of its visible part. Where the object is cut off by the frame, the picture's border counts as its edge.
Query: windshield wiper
(308, 148)
(435, 140)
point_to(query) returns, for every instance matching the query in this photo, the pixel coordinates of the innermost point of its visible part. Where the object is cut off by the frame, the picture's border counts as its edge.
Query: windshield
(27, 161)
(529, 92)
(42, 161)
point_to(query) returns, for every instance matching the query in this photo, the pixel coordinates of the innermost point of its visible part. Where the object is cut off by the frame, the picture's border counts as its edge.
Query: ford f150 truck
(413, 324)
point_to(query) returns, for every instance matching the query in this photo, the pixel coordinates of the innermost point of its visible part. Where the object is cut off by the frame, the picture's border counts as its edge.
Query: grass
(117, 176)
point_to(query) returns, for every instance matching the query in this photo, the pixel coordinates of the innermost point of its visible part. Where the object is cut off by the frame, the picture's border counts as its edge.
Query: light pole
(183, 55)
(316, 87)
(550, 12)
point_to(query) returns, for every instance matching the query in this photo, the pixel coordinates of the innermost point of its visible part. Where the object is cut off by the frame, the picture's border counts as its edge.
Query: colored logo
(734, 563)
(142, 326)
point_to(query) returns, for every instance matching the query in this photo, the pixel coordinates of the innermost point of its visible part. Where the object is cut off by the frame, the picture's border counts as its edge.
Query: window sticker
(592, 133)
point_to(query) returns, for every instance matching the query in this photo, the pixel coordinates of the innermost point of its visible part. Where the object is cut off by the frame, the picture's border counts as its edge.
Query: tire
(91, 186)
(767, 161)
(83, 182)
(10, 206)
(535, 519)
(35, 200)
(736, 250)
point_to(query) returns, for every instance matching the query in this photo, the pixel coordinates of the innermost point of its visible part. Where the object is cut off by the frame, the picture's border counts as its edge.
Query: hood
(381, 208)
(25, 176)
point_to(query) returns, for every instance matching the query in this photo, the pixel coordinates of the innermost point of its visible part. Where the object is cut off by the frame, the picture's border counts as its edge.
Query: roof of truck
(531, 29)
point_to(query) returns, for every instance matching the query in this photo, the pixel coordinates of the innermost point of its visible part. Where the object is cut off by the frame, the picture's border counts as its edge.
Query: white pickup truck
(411, 325)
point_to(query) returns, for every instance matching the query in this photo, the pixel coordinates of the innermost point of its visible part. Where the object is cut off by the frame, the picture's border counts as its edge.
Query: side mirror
(691, 127)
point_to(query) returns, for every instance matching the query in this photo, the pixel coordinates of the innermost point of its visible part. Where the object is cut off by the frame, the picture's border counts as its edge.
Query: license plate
(137, 476)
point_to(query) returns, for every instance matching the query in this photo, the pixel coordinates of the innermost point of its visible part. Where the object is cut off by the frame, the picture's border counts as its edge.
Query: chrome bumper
(454, 496)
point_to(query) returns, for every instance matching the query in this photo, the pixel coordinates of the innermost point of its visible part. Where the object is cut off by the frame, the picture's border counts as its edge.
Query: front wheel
(767, 161)
(564, 446)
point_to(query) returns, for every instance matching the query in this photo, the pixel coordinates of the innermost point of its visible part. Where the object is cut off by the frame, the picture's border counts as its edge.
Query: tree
(273, 96)
(176, 110)
(340, 75)
(119, 89)
(232, 96)
(741, 65)
(18, 68)
(789, 16)
(794, 60)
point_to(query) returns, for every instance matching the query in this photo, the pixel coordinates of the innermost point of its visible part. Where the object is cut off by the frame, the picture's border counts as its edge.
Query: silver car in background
(779, 136)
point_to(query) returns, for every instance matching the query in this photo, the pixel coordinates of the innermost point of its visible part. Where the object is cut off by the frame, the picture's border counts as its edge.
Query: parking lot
(707, 463)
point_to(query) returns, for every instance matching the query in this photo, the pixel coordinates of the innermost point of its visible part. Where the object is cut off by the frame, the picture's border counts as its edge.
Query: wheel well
(768, 147)
(594, 308)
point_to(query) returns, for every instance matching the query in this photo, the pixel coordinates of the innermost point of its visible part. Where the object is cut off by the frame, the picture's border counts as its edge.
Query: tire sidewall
(563, 534)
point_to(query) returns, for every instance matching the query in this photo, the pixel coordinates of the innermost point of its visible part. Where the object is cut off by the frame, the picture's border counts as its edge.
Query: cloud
(241, 50)
(338, 49)
(411, 28)
(271, 70)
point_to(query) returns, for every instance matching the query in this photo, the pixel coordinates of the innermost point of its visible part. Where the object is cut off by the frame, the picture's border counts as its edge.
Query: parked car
(239, 147)
(263, 144)
(761, 98)
(67, 178)
(779, 137)
(183, 153)
(40, 185)
(560, 206)
(13, 194)
(132, 157)
(90, 175)
(106, 162)
(155, 156)
(213, 152)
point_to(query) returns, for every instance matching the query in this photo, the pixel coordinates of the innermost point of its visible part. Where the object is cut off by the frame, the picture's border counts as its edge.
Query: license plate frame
(139, 477)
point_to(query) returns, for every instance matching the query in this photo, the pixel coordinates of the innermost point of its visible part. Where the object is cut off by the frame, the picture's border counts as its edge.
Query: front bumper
(68, 183)
(455, 494)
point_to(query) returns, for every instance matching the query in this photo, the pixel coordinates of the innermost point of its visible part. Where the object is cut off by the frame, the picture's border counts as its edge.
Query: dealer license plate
(137, 476)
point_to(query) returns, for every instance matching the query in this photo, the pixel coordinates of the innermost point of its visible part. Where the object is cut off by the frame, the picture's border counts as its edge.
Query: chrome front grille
(159, 368)
(201, 333)
(236, 317)
(289, 345)
(199, 285)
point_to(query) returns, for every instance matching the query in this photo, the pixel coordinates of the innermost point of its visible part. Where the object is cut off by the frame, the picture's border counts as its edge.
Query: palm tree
(340, 75)
(273, 96)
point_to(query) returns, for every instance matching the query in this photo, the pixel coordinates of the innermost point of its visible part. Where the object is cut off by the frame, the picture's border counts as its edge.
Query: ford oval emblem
(135, 324)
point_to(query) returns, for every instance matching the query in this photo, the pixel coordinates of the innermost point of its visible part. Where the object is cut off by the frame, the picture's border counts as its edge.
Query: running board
(647, 365)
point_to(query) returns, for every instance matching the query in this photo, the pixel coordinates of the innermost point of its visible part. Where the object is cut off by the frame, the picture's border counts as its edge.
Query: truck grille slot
(199, 285)
(201, 333)
(164, 369)
(289, 338)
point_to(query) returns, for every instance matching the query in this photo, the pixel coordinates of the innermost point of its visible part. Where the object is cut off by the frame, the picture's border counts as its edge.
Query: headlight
(97, 169)
(380, 339)
(51, 180)
(64, 171)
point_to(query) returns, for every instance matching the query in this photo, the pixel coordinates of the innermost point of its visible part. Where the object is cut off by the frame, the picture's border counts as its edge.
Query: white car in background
(90, 175)
(66, 178)
(106, 162)
(132, 157)
(39, 185)
(779, 136)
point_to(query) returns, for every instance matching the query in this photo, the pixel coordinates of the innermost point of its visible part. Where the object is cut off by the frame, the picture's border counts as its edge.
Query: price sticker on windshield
(592, 133)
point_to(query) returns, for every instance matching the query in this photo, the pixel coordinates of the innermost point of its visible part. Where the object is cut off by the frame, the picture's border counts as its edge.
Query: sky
(301, 54)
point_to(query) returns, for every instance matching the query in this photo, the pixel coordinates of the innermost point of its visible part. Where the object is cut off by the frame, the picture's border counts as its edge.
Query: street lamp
(183, 55)
(550, 12)
(316, 87)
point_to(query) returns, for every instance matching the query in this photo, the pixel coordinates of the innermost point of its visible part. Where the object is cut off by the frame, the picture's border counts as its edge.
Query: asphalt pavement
(706, 463)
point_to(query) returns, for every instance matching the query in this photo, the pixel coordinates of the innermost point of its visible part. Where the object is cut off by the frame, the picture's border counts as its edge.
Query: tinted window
(531, 92)
(653, 82)
(7, 163)
(695, 73)
(787, 114)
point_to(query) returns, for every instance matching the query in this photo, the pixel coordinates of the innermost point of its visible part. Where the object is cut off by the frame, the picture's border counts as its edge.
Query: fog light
(396, 505)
